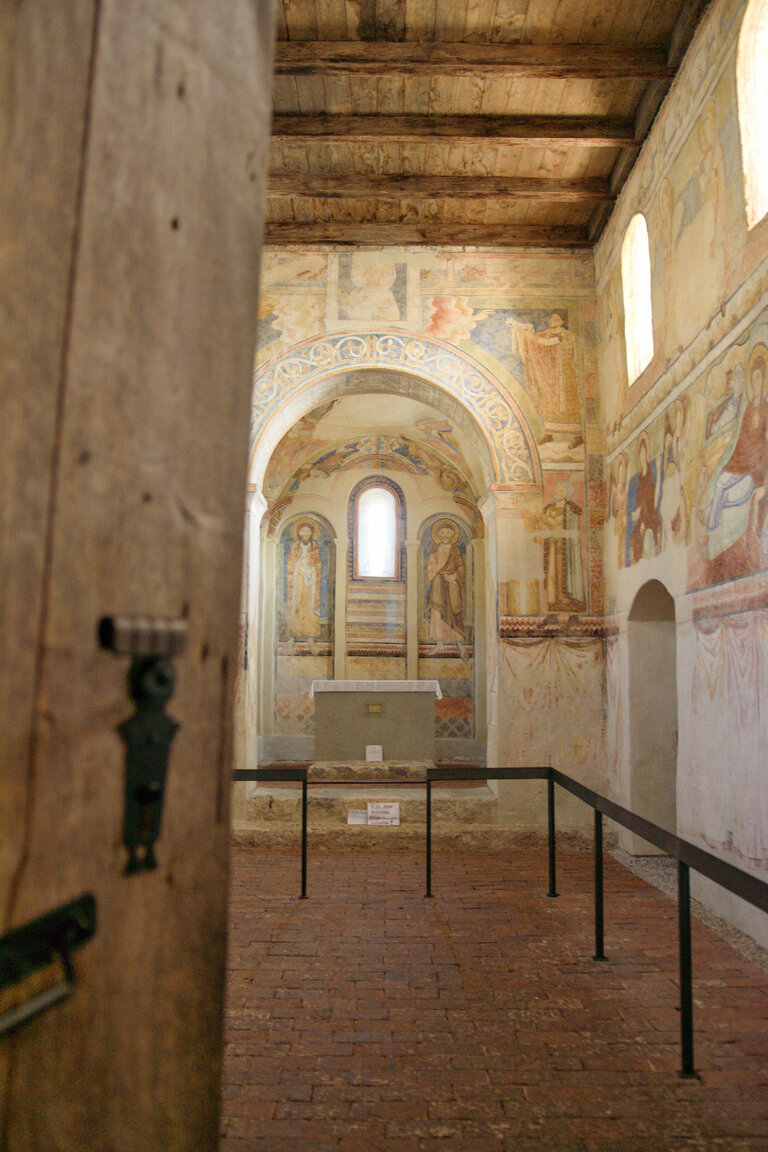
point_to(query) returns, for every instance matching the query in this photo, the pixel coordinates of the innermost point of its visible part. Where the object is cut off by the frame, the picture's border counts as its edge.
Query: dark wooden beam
(351, 234)
(554, 61)
(683, 32)
(397, 187)
(533, 131)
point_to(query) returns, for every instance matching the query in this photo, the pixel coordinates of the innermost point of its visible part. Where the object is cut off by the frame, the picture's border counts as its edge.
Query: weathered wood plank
(536, 131)
(350, 234)
(134, 152)
(396, 187)
(445, 58)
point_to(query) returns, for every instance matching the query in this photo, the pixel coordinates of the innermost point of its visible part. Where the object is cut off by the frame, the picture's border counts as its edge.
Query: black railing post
(428, 893)
(303, 839)
(686, 978)
(551, 836)
(599, 923)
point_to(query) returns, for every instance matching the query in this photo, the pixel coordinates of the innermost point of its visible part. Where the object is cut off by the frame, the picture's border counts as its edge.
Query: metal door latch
(27, 951)
(149, 732)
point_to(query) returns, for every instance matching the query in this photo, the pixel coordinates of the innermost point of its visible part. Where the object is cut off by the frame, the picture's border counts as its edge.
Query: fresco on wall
(523, 273)
(549, 543)
(728, 674)
(476, 388)
(695, 479)
(305, 620)
(445, 623)
(371, 288)
(561, 537)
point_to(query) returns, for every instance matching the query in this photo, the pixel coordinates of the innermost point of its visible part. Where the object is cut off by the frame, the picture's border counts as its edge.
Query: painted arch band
(504, 428)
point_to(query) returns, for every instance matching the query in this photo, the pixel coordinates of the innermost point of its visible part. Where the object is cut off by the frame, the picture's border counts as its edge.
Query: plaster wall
(699, 407)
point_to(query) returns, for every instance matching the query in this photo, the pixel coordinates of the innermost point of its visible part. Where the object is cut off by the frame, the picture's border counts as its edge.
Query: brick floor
(368, 1018)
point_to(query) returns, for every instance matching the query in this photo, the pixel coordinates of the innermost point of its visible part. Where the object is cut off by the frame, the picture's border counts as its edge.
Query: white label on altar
(374, 752)
(384, 812)
(357, 816)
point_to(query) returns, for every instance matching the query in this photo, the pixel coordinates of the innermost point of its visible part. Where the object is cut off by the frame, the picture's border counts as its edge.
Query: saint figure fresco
(644, 539)
(673, 505)
(445, 580)
(303, 585)
(550, 365)
(736, 496)
(563, 569)
(617, 507)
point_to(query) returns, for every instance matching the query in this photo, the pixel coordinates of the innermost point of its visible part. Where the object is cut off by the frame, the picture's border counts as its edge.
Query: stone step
(329, 804)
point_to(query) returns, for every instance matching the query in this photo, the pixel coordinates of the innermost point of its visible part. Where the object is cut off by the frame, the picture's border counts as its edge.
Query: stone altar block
(397, 715)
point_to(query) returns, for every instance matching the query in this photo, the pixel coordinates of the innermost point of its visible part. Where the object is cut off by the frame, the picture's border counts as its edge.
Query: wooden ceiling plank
(598, 22)
(568, 21)
(391, 95)
(351, 234)
(479, 22)
(534, 131)
(420, 17)
(338, 93)
(450, 18)
(509, 21)
(300, 20)
(281, 28)
(466, 58)
(471, 188)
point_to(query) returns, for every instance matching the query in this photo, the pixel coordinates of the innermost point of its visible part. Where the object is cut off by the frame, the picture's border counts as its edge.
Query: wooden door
(134, 138)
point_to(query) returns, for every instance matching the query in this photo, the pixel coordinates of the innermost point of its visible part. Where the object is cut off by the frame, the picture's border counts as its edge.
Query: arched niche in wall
(652, 643)
(304, 617)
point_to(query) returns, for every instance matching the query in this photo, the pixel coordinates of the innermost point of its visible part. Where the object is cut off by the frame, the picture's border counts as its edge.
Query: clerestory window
(636, 285)
(752, 88)
(377, 536)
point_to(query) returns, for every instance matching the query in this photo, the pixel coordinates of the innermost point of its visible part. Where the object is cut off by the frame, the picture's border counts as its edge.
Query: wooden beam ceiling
(355, 234)
(446, 127)
(531, 131)
(390, 189)
(536, 61)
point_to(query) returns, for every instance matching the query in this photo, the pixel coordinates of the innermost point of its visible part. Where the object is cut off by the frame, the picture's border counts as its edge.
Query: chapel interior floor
(368, 1018)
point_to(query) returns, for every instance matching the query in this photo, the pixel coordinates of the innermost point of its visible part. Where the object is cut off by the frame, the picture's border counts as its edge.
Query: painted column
(480, 638)
(253, 579)
(340, 611)
(412, 610)
(262, 722)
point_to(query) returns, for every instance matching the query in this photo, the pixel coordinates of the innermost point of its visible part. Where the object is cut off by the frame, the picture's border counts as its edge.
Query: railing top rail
(457, 772)
(269, 774)
(728, 876)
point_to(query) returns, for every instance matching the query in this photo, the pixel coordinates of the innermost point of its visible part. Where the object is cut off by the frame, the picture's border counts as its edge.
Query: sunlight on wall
(636, 282)
(752, 81)
(376, 533)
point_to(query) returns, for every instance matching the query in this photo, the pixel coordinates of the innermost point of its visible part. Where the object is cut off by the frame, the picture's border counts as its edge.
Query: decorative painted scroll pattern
(515, 458)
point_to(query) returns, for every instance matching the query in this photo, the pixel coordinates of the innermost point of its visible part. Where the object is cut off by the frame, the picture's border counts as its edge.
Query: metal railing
(728, 876)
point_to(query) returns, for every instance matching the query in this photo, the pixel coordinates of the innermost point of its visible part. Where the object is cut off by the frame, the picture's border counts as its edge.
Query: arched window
(376, 507)
(752, 87)
(636, 283)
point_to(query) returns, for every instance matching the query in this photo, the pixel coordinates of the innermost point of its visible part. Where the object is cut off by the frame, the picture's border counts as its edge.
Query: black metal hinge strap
(25, 951)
